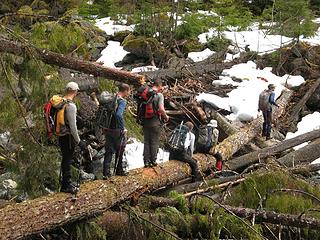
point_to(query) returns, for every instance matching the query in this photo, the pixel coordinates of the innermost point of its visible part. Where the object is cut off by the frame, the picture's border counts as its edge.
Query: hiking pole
(116, 163)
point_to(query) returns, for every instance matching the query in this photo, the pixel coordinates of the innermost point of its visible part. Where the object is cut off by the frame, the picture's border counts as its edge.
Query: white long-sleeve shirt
(189, 142)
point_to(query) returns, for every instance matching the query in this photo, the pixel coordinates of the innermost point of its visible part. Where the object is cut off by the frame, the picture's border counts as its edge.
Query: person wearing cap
(70, 138)
(266, 101)
(207, 139)
(185, 155)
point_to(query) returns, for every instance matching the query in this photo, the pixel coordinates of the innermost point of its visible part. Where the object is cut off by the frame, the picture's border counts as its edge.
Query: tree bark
(306, 154)
(48, 212)
(306, 170)
(61, 60)
(254, 157)
(233, 143)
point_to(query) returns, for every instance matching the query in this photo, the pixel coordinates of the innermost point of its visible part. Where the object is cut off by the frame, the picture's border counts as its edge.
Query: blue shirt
(120, 111)
(271, 99)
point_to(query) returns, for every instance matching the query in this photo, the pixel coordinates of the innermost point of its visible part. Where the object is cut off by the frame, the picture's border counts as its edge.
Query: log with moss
(49, 57)
(48, 212)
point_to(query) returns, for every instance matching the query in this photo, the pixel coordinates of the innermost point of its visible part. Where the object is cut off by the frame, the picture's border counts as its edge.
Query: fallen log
(49, 57)
(233, 143)
(254, 157)
(45, 213)
(306, 170)
(305, 154)
(122, 218)
(294, 115)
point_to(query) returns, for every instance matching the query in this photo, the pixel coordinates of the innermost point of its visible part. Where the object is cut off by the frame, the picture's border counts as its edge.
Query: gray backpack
(264, 104)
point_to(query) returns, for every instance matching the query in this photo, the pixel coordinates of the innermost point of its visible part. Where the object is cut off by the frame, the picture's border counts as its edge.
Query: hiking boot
(123, 173)
(147, 165)
(105, 177)
(69, 189)
(153, 164)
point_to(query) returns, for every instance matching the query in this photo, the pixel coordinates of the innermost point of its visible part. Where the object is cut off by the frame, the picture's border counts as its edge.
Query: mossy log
(49, 57)
(305, 154)
(306, 170)
(45, 213)
(233, 143)
(254, 157)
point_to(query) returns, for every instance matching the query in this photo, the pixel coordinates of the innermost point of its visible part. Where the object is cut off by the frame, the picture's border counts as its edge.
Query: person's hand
(82, 144)
(166, 118)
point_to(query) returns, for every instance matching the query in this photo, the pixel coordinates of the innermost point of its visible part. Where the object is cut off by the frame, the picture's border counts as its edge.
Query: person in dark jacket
(266, 101)
(69, 139)
(152, 127)
(185, 155)
(116, 136)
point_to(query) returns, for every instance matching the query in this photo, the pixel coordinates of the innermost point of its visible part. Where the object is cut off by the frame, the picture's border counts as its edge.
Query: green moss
(192, 45)
(134, 129)
(183, 203)
(218, 44)
(87, 231)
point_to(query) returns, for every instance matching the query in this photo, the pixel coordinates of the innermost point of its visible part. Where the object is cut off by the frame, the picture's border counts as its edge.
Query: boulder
(149, 49)
(120, 36)
(9, 184)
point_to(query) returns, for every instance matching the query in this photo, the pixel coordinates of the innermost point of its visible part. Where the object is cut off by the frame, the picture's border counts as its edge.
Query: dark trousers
(115, 144)
(151, 143)
(67, 146)
(267, 117)
(183, 156)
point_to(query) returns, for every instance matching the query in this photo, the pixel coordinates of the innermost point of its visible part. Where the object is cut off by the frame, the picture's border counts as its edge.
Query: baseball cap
(72, 86)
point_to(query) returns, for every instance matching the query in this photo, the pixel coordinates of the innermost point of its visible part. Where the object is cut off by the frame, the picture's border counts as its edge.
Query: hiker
(68, 138)
(266, 100)
(207, 139)
(151, 114)
(116, 135)
(181, 147)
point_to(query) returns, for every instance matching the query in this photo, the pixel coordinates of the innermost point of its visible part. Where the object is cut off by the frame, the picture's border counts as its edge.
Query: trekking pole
(116, 162)
(179, 135)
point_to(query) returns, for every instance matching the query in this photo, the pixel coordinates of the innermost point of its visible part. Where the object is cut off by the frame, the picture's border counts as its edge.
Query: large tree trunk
(61, 60)
(48, 212)
(234, 142)
(254, 157)
(306, 154)
(114, 221)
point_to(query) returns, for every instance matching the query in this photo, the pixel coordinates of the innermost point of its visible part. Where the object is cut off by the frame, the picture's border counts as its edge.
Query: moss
(87, 231)
(183, 203)
(134, 129)
(192, 45)
(247, 193)
(218, 44)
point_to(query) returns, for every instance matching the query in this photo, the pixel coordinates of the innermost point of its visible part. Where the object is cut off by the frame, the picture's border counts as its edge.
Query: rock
(149, 49)
(9, 184)
(120, 36)
(22, 197)
(130, 59)
(86, 176)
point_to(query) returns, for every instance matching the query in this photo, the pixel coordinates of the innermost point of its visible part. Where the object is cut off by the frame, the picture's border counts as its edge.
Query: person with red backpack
(266, 100)
(151, 114)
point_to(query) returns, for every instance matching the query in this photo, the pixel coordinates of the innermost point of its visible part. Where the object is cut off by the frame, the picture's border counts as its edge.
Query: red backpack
(146, 105)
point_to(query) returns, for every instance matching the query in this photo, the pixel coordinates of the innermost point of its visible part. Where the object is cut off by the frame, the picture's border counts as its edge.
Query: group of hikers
(184, 140)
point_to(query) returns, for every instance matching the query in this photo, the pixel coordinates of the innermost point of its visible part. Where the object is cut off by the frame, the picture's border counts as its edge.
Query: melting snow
(199, 56)
(109, 26)
(112, 53)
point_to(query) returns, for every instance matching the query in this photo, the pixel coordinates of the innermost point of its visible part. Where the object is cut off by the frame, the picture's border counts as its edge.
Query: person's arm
(119, 113)
(161, 109)
(271, 100)
(71, 115)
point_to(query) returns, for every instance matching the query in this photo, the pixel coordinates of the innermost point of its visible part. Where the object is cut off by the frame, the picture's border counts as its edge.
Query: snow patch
(111, 54)
(307, 124)
(133, 154)
(144, 69)
(200, 56)
(109, 26)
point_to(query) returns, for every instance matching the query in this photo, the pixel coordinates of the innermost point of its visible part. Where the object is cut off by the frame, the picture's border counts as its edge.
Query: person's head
(72, 89)
(189, 125)
(213, 123)
(271, 87)
(124, 90)
(158, 84)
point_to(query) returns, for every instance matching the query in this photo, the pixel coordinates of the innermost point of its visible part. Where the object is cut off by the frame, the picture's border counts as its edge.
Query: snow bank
(144, 69)
(112, 53)
(308, 123)
(199, 56)
(243, 101)
(109, 26)
(133, 154)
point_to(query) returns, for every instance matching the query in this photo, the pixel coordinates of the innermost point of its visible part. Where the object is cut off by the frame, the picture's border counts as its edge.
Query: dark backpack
(105, 116)
(53, 112)
(264, 103)
(178, 138)
(146, 108)
(204, 139)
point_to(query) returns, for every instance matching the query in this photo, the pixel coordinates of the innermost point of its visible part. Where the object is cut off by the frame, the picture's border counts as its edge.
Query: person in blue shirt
(116, 135)
(266, 101)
